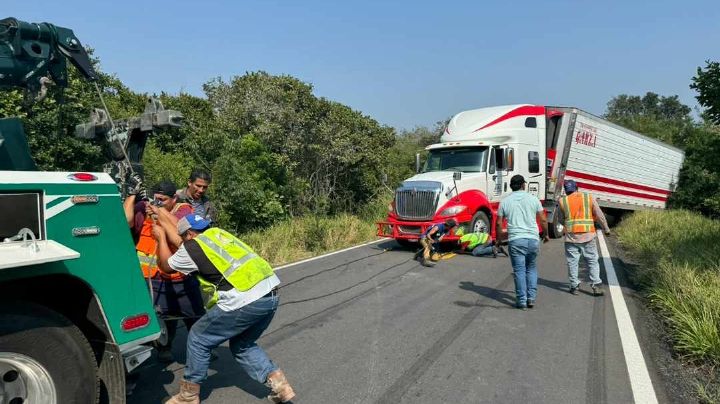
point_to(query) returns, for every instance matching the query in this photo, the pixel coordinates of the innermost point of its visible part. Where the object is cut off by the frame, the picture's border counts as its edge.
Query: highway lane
(371, 325)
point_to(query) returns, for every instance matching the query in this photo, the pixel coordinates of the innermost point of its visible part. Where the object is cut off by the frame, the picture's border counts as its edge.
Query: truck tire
(556, 228)
(44, 358)
(480, 223)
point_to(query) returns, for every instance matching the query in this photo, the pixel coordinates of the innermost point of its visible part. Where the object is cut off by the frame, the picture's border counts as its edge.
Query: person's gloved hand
(136, 187)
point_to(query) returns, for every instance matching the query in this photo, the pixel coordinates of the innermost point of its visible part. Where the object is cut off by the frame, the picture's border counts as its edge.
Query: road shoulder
(673, 381)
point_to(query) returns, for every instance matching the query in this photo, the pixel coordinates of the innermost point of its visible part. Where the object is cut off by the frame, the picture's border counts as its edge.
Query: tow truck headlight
(452, 211)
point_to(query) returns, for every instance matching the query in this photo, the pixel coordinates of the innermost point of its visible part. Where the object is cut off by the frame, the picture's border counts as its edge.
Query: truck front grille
(410, 229)
(414, 204)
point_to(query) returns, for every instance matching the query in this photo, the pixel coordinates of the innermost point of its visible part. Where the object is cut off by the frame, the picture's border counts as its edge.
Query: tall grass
(308, 236)
(679, 257)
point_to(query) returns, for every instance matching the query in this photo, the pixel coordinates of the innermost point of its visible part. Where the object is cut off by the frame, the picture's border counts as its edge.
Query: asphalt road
(371, 325)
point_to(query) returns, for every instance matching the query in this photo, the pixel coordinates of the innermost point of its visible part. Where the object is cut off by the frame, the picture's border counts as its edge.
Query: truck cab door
(500, 167)
(535, 177)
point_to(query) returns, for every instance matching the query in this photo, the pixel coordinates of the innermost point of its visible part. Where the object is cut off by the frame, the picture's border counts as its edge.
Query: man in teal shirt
(523, 212)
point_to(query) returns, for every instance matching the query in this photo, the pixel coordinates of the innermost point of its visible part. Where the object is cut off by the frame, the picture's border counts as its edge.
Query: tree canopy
(707, 84)
(274, 148)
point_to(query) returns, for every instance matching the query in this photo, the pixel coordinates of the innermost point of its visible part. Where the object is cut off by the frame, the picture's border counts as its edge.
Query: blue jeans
(587, 250)
(242, 327)
(523, 257)
(482, 250)
(177, 298)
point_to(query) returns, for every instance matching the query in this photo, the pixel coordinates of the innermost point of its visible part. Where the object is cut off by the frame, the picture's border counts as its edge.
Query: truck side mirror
(417, 163)
(457, 176)
(508, 160)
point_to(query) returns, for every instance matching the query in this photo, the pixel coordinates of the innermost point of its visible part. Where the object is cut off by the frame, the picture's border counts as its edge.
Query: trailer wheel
(480, 223)
(556, 228)
(44, 358)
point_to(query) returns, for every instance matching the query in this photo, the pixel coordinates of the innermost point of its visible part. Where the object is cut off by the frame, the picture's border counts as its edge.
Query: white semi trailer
(467, 174)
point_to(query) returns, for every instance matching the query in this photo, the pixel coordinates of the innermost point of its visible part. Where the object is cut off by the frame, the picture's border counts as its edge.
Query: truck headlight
(453, 210)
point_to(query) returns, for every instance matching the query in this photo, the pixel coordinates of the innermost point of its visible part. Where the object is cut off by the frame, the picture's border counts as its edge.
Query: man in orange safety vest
(579, 212)
(174, 295)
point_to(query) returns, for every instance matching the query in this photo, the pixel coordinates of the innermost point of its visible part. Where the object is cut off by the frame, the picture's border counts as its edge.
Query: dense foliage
(274, 148)
(666, 119)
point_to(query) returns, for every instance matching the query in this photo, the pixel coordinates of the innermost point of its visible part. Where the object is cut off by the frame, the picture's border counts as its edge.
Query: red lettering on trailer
(586, 135)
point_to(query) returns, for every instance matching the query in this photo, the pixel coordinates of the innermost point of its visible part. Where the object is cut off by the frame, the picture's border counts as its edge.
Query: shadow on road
(231, 375)
(507, 298)
(561, 286)
(223, 372)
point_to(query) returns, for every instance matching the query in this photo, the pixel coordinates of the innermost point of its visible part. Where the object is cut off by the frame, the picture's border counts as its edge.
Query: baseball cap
(192, 221)
(165, 187)
(517, 180)
(570, 186)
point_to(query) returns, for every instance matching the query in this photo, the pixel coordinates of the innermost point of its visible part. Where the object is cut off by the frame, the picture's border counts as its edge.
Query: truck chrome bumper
(409, 231)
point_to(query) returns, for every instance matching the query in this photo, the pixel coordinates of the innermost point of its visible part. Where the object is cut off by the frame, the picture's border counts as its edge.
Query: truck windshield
(467, 159)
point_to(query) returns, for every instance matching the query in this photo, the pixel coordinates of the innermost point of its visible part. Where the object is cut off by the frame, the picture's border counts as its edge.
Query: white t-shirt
(229, 300)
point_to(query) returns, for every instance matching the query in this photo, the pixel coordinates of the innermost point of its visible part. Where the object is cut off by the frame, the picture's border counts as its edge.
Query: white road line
(642, 388)
(329, 254)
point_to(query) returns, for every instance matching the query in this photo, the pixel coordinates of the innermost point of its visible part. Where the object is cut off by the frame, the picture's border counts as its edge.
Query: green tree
(699, 185)
(400, 163)
(663, 118)
(707, 84)
(249, 183)
(50, 123)
(333, 153)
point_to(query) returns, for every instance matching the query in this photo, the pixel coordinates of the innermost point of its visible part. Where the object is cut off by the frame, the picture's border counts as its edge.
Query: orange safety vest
(147, 251)
(577, 208)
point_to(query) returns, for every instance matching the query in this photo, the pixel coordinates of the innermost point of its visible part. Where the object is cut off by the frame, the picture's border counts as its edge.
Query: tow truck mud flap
(135, 356)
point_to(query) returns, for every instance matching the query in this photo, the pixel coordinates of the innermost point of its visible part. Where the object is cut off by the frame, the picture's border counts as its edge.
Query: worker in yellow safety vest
(479, 244)
(240, 292)
(579, 212)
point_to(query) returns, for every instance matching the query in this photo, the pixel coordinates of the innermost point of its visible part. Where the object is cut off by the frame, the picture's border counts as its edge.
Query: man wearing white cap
(240, 293)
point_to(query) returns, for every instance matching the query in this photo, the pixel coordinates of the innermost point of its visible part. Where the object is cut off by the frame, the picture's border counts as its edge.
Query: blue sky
(405, 63)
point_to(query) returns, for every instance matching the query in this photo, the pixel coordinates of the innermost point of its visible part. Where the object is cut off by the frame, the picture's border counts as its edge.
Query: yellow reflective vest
(236, 261)
(577, 208)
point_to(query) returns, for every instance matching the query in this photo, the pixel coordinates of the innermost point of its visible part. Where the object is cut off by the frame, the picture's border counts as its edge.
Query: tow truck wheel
(44, 358)
(480, 223)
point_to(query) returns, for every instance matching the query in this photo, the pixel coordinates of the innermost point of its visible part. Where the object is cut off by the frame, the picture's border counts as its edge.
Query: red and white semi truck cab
(467, 175)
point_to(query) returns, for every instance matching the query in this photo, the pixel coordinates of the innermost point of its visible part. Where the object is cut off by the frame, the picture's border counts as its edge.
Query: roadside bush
(160, 166)
(249, 185)
(679, 270)
(304, 237)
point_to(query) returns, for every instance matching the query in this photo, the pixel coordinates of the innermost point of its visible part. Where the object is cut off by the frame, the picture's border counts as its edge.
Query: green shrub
(303, 237)
(679, 257)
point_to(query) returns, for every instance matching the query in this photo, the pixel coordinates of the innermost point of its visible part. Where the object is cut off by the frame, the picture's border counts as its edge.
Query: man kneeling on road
(240, 290)
(432, 237)
(479, 244)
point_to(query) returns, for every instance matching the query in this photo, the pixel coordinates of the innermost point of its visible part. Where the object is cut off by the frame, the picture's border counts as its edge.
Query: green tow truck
(75, 310)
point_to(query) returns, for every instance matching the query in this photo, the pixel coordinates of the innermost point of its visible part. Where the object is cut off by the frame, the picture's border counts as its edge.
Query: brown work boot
(281, 390)
(426, 248)
(189, 394)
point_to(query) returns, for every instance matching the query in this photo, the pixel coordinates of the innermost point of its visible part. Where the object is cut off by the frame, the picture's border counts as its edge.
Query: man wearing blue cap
(240, 293)
(579, 212)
